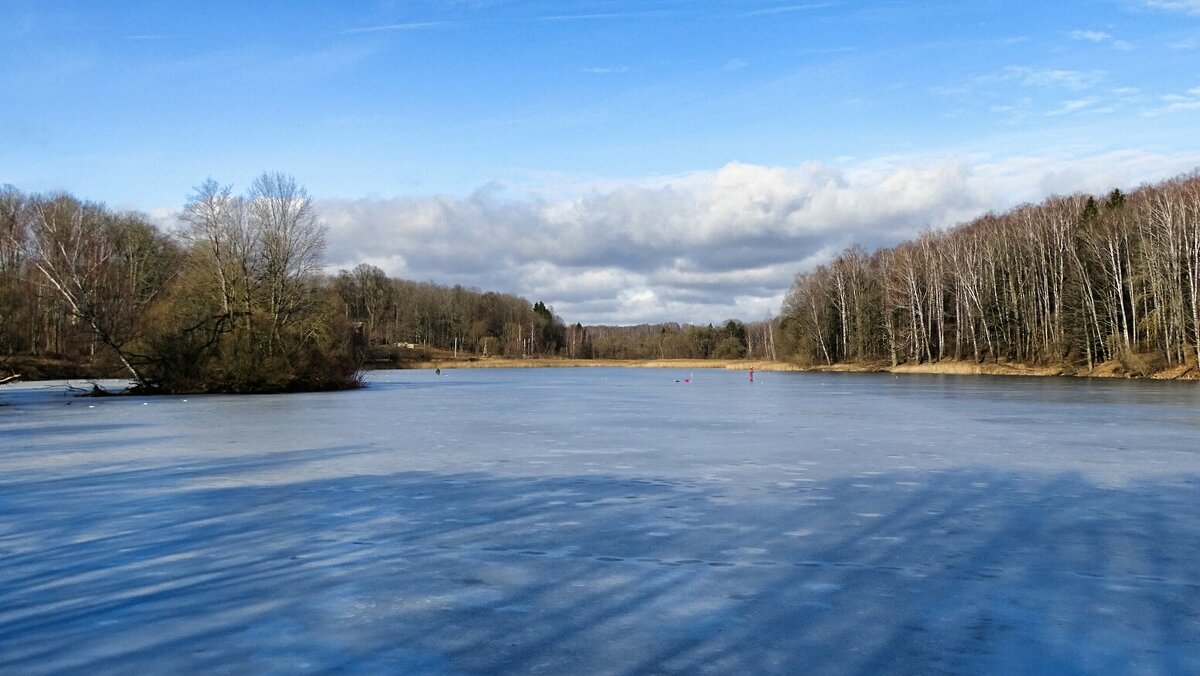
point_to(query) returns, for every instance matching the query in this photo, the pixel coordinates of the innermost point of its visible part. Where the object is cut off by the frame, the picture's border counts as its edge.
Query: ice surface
(606, 521)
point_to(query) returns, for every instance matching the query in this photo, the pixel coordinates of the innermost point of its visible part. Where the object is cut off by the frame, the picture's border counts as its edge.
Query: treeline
(731, 340)
(391, 312)
(1074, 280)
(393, 315)
(233, 302)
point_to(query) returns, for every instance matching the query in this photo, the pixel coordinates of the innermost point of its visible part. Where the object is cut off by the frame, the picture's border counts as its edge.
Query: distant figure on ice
(751, 374)
(437, 371)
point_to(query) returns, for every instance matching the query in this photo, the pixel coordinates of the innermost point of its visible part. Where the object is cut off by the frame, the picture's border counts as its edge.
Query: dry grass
(948, 367)
(972, 368)
(1110, 369)
(497, 362)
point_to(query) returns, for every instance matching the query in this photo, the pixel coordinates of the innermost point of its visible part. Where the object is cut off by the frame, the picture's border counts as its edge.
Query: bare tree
(292, 244)
(227, 241)
(12, 264)
(108, 268)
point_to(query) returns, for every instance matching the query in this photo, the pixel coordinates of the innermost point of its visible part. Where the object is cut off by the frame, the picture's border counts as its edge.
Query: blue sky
(660, 138)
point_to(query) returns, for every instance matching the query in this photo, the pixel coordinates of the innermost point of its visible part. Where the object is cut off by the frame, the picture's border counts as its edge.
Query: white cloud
(1092, 36)
(1101, 36)
(703, 246)
(164, 218)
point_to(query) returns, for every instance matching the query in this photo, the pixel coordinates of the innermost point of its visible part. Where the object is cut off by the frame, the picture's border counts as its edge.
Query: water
(606, 521)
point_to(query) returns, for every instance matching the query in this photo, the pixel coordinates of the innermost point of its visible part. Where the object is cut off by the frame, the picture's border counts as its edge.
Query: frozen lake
(574, 521)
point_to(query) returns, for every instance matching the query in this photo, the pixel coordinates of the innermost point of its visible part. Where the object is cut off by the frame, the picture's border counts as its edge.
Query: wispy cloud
(1101, 37)
(1177, 103)
(257, 65)
(1053, 78)
(609, 16)
(787, 9)
(322, 63)
(605, 70)
(395, 27)
(1075, 106)
(1125, 97)
(1186, 6)
(1023, 76)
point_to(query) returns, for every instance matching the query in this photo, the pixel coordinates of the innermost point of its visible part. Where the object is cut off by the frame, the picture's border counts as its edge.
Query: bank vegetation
(1076, 284)
(234, 301)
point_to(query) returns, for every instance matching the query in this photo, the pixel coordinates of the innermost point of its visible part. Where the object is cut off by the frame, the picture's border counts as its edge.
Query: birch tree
(108, 269)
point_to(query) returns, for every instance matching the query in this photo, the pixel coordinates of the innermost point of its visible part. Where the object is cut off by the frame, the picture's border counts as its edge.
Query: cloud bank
(704, 246)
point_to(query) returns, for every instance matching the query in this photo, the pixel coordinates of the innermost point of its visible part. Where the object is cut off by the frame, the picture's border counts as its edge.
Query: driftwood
(9, 379)
(96, 391)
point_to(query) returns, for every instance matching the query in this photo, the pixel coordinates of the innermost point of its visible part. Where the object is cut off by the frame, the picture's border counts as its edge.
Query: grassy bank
(496, 362)
(1110, 369)
(947, 367)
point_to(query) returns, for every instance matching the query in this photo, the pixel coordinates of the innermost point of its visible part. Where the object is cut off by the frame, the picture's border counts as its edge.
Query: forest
(731, 340)
(235, 299)
(396, 316)
(1075, 280)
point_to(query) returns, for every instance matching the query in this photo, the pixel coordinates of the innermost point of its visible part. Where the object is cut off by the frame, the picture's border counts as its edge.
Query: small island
(233, 301)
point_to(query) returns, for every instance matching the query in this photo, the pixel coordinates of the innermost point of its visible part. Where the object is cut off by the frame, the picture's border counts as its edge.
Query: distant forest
(395, 313)
(1074, 280)
(389, 313)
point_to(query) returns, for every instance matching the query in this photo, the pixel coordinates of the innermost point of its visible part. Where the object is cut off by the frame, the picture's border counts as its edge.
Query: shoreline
(1110, 369)
(550, 362)
(949, 367)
